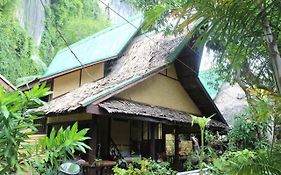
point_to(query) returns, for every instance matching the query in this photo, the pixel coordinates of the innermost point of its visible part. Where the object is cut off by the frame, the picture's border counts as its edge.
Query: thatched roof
(132, 108)
(142, 58)
(231, 101)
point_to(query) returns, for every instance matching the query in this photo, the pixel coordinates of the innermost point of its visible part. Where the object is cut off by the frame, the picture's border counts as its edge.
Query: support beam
(176, 158)
(93, 141)
(152, 141)
(163, 138)
(104, 136)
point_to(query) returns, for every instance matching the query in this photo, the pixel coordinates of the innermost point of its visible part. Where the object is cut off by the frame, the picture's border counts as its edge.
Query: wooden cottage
(133, 91)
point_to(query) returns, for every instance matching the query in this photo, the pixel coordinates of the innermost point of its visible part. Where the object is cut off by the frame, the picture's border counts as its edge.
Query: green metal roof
(107, 43)
(207, 78)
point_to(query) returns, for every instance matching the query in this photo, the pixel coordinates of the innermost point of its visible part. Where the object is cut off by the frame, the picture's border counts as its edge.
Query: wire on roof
(67, 44)
(107, 6)
(83, 67)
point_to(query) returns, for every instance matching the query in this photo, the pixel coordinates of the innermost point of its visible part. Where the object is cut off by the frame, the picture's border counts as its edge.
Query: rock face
(231, 100)
(124, 9)
(31, 16)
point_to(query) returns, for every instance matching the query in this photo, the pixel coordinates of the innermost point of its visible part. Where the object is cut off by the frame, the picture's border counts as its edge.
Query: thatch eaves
(119, 106)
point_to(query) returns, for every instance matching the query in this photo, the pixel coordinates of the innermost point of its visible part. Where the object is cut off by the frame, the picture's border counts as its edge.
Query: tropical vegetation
(20, 57)
(17, 116)
(241, 38)
(72, 20)
(245, 37)
(144, 166)
(16, 46)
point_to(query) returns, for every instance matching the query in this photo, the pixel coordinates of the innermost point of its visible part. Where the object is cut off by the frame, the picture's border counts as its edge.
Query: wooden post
(104, 136)
(109, 137)
(176, 158)
(141, 132)
(163, 139)
(152, 141)
(93, 142)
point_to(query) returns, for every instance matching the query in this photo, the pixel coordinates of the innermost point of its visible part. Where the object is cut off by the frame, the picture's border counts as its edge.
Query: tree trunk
(272, 47)
(274, 54)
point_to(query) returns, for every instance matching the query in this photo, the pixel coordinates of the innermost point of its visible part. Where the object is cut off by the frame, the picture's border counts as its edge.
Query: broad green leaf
(5, 111)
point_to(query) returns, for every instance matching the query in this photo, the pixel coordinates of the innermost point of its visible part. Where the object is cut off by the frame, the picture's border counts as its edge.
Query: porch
(121, 129)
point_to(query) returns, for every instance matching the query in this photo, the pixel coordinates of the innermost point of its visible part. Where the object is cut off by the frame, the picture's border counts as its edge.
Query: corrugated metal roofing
(105, 44)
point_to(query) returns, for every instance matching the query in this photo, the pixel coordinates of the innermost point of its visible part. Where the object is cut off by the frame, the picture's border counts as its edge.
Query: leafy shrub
(58, 147)
(248, 133)
(16, 48)
(145, 166)
(16, 123)
(192, 162)
(247, 162)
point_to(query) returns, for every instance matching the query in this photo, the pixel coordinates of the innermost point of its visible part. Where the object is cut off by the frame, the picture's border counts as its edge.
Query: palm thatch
(231, 101)
(145, 54)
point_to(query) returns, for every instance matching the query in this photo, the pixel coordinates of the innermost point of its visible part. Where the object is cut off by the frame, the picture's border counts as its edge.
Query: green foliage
(145, 166)
(202, 122)
(142, 4)
(7, 7)
(211, 81)
(237, 36)
(59, 147)
(251, 128)
(251, 152)
(16, 48)
(247, 133)
(192, 162)
(86, 27)
(16, 123)
(247, 162)
(3, 4)
(75, 19)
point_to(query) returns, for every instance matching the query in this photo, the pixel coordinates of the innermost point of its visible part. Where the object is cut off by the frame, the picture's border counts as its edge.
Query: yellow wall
(71, 81)
(96, 72)
(160, 90)
(69, 118)
(171, 72)
(66, 83)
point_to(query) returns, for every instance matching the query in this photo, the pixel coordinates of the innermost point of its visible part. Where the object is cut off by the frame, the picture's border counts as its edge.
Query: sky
(207, 59)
